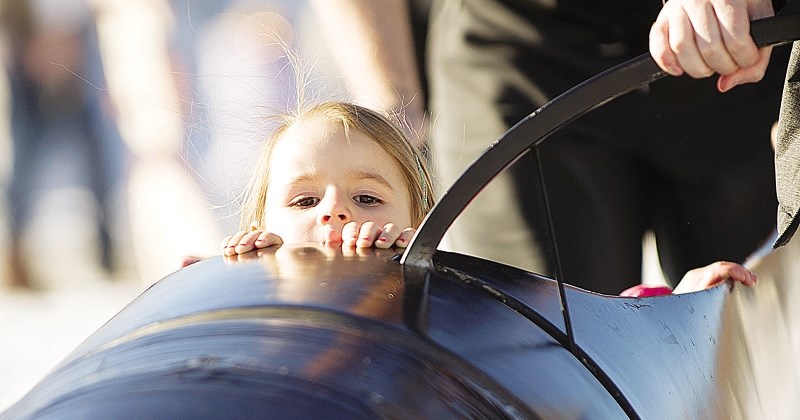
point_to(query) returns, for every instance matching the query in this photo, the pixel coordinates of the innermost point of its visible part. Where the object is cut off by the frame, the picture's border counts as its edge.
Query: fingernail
(674, 69)
(381, 239)
(733, 83)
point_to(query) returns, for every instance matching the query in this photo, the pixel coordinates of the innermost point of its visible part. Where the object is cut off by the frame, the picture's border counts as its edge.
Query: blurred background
(127, 131)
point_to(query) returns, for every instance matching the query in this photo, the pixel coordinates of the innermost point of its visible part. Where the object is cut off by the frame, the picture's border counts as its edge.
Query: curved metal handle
(535, 128)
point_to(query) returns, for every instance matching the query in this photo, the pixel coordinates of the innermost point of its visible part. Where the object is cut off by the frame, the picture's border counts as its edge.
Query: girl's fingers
(367, 235)
(267, 239)
(224, 244)
(350, 233)
(243, 241)
(405, 237)
(388, 236)
(229, 247)
(370, 234)
(247, 242)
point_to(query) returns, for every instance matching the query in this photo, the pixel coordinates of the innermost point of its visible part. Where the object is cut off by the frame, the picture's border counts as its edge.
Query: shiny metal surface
(311, 331)
(730, 352)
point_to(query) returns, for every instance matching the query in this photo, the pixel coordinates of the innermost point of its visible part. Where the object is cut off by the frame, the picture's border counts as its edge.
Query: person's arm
(698, 279)
(372, 43)
(713, 274)
(700, 38)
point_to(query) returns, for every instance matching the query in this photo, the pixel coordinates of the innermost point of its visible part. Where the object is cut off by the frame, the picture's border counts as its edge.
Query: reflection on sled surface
(311, 331)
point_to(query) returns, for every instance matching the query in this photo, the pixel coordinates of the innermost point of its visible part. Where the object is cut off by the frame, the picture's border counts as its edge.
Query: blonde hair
(378, 127)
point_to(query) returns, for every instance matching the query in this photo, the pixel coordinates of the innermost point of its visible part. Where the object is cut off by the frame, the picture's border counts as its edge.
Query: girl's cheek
(303, 230)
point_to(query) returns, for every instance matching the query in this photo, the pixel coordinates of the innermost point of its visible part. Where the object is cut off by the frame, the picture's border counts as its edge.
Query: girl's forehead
(317, 144)
(315, 135)
(311, 132)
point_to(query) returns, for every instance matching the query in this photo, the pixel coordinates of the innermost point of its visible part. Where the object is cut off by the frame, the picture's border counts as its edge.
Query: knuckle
(392, 229)
(700, 73)
(682, 45)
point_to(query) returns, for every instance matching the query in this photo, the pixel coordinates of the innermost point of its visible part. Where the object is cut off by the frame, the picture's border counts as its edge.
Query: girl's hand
(370, 234)
(242, 242)
(713, 274)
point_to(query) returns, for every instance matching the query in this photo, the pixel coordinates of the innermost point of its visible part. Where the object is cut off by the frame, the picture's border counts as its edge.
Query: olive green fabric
(787, 152)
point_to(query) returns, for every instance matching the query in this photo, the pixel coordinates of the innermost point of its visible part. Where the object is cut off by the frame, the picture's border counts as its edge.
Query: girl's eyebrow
(301, 178)
(371, 176)
(356, 176)
(293, 182)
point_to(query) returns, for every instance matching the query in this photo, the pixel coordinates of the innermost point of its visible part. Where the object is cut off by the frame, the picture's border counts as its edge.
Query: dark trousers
(692, 165)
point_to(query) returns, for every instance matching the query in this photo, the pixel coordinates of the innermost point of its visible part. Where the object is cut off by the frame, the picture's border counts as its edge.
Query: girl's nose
(327, 218)
(333, 209)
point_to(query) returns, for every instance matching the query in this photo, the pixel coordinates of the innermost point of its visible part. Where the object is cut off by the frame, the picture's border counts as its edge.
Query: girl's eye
(305, 202)
(367, 200)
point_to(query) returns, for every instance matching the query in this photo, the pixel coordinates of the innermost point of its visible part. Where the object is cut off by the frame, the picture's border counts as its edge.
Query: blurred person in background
(165, 206)
(66, 157)
(234, 69)
(6, 162)
(191, 84)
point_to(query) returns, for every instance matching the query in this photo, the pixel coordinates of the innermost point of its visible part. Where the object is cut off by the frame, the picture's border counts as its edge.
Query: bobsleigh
(321, 332)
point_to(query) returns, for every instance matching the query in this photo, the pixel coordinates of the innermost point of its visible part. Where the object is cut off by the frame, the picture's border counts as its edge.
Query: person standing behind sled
(677, 158)
(703, 38)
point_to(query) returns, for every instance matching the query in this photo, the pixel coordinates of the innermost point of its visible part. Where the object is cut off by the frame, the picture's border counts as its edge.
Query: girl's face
(319, 181)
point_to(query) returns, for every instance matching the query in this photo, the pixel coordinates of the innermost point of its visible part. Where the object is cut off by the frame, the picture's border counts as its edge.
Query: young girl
(336, 172)
(341, 173)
